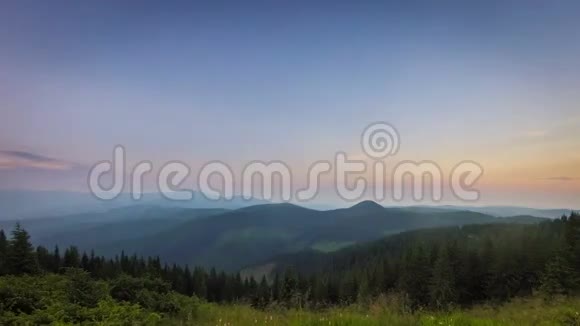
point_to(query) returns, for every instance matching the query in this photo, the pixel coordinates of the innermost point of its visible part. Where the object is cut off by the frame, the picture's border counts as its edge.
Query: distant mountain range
(499, 211)
(25, 204)
(41, 204)
(88, 230)
(233, 239)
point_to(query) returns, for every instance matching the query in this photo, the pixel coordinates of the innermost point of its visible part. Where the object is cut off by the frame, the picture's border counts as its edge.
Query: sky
(495, 82)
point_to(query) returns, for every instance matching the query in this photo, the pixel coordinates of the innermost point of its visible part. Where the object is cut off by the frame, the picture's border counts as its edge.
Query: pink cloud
(21, 159)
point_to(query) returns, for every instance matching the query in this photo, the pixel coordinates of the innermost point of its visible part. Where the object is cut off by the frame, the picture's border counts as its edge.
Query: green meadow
(532, 311)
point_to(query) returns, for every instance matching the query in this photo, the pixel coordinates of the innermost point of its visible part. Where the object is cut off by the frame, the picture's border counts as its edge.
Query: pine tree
(363, 289)
(71, 257)
(188, 281)
(561, 274)
(81, 288)
(443, 290)
(213, 286)
(489, 271)
(318, 293)
(474, 274)
(290, 286)
(277, 288)
(200, 283)
(262, 298)
(20, 253)
(348, 289)
(252, 287)
(238, 287)
(572, 240)
(3, 252)
(44, 258)
(557, 278)
(56, 260)
(414, 277)
(85, 261)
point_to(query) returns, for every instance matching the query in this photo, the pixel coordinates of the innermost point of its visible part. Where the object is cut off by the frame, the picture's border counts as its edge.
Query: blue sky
(493, 81)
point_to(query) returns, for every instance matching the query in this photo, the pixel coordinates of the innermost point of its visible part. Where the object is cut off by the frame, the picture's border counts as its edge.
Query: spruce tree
(44, 259)
(443, 290)
(56, 260)
(3, 250)
(262, 298)
(572, 240)
(20, 253)
(72, 257)
(81, 288)
(277, 288)
(200, 283)
(289, 286)
(414, 277)
(558, 277)
(188, 281)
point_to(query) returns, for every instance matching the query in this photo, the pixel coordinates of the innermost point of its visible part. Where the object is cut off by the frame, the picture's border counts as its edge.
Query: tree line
(436, 268)
(456, 266)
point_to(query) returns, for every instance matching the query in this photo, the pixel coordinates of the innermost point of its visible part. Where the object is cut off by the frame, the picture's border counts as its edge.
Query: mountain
(498, 211)
(241, 237)
(232, 239)
(228, 240)
(20, 205)
(92, 229)
(523, 219)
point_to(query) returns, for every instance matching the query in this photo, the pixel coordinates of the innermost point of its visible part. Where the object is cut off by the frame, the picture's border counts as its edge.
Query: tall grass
(534, 311)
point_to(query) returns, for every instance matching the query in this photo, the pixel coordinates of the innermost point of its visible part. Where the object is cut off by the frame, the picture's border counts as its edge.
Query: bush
(126, 288)
(19, 295)
(82, 289)
(153, 294)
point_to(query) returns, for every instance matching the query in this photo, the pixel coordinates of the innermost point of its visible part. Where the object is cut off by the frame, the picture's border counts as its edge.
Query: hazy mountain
(232, 239)
(244, 236)
(19, 205)
(228, 240)
(88, 229)
(499, 211)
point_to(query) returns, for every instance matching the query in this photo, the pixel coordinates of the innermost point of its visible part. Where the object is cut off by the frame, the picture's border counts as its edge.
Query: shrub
(19, 295)
(82, 289)
(153, 294)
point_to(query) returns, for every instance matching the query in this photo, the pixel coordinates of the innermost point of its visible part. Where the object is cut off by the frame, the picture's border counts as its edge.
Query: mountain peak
(367, 205)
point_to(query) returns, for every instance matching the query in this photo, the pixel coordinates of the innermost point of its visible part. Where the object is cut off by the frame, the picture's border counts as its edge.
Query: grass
(519, 312)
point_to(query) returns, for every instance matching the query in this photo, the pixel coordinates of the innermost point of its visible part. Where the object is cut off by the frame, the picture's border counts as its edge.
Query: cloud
(561, 178)
(564, 130)
(21, 159)
(535, 134)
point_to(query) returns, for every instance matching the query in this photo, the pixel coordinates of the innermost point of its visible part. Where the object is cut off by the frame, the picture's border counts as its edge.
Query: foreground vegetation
(530, 311)
(74, 298)
(475, 275)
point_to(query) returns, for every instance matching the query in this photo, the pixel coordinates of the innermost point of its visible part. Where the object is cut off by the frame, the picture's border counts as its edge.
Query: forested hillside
(446, 267)
(426, 269)
(233, 239)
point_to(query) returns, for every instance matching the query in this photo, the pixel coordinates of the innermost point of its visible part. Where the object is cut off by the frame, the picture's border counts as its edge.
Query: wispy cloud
(563, 130)
(20, 159)
(535, 134)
